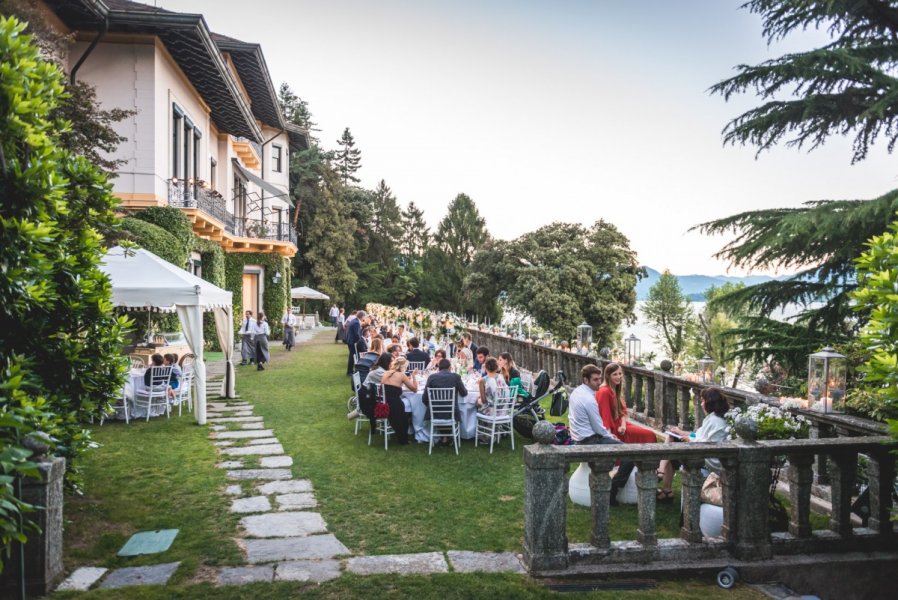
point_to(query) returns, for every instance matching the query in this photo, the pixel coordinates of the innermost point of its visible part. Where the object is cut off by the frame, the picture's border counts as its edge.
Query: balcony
(211, 220)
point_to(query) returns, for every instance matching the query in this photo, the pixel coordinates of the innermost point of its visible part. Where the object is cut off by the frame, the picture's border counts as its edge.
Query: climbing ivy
(275, 297)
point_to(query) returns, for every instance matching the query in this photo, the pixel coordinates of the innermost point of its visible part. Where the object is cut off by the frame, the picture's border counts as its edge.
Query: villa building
(207, 136)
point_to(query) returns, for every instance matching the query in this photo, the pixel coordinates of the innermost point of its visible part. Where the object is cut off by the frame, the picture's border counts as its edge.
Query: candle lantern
(634, 348)
(827, 371)
(584, 335)
(705, 365)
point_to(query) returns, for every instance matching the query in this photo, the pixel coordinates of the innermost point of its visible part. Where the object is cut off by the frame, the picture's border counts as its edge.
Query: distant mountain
(694, 286)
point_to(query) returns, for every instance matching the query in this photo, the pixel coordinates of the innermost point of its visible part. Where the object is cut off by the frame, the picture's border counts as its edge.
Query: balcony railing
(184, 194)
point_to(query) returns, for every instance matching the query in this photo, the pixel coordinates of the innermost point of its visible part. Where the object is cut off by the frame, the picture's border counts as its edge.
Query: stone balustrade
(745, 477)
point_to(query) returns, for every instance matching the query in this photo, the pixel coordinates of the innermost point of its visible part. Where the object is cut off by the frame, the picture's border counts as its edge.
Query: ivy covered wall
(275, 297)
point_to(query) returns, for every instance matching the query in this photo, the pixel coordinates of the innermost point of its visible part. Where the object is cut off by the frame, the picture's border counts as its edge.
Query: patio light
(634, 347)
(276, 278)
(584, 335)
(704, 366)
(826, 381)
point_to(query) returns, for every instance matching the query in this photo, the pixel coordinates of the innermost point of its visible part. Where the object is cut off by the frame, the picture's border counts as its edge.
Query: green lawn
(161, 474)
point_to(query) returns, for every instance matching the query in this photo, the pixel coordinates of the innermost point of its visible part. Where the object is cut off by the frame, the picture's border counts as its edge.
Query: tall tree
(670, 314)
(295, 109)
(348, 159)
(716, 333)
(415, 232)
(846, 87)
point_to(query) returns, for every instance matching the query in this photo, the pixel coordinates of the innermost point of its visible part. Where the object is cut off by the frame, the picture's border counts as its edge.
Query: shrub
(174, 222)
(60, 342)
(156, 239)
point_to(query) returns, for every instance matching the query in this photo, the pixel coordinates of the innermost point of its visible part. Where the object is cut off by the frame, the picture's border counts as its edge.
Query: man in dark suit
(353, 336)
(445, 378)
(415, 354)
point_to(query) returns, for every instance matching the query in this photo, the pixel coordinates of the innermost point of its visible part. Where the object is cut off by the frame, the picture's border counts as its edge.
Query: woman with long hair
(613, 409)
(392, 382)
(510, 374)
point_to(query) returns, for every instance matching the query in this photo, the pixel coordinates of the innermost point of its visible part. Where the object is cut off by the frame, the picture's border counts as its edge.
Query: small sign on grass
(149, 542)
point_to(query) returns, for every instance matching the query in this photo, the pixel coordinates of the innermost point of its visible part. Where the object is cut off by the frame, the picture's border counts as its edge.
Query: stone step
(230, 464)
(244, 575)
(298, 501)
(399, 564)
(294, 548)
(216, 421)
(316, 571)
(292, 486)
(262, 450)
(269, 474)
(275, 462)
(258, 425)
(253, 504)
(485, 562)
(257, 441)
(81, 579)
(258, 433)
(149, 575)
(283, 525)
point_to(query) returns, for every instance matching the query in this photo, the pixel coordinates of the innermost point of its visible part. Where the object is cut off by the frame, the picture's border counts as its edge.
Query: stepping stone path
(281, 538)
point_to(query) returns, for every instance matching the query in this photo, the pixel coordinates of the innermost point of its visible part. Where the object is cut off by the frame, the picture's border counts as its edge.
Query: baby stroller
(528, 412)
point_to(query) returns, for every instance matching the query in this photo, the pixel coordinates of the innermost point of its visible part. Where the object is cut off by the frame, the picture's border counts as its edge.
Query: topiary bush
(174, 222)
(156, 239)
(60, 341)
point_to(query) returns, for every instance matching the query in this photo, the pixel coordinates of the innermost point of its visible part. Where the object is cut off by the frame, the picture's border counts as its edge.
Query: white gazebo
(142, 280)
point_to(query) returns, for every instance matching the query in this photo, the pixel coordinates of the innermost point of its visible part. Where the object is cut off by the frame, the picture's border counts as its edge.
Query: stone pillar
(821, 468)
(650, 401)
(683, 405)
(691, 490)
(545, 511)
(801, 477)
(628, 390)
(697, 407)
(638, 398)
(842, 472)
(729, 480)
(646, 487)
(752, 502)
(881, 473)
(669, 393)
(43, 551)
(600, 493)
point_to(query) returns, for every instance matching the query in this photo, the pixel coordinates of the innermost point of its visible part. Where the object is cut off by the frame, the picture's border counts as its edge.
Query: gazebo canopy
(307, 293)
(142, 280)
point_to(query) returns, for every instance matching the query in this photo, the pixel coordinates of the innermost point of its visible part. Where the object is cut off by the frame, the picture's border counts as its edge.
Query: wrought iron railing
(263, 230)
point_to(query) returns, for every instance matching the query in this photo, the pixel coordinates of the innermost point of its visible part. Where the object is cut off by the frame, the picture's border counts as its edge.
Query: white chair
(116, 407)
(355, 404)
(382, 425)
(442, 416)
(185, 389)
(157, 393)
(498, 423)
(138, 361)
(415, 365)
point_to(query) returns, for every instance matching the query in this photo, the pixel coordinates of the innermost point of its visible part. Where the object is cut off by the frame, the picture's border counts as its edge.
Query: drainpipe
(104, 27)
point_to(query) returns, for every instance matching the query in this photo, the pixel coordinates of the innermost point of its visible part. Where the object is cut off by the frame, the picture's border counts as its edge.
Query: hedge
(157, 240)
(173, 221)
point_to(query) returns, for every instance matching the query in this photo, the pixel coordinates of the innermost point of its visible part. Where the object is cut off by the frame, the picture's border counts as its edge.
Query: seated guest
(489, 387)
(511, 374)
(713, 430)
(469, 343)
(445, 378)
(393, 380)
(415, 354)
(463, 354)
(480, 357)
(171, 360)
(157, 360)
(586, 424)
(438, 355)
(380, 367)
(402, 333)
(613, 409)
(395, 350)
(377, 346)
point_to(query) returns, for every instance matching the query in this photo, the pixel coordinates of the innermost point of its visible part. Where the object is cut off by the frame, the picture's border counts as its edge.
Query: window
(277, 158)
(213, 172)
(196, 160)
(177, 124)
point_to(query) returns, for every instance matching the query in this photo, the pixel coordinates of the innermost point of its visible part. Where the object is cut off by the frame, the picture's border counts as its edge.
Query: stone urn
(746, 428)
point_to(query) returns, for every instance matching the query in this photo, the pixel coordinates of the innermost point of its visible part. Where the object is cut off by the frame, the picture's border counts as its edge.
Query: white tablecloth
(135, 384)
(467, 406)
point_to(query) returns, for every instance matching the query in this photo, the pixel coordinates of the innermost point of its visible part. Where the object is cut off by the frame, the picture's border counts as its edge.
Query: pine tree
(670, 314)
(348, 158)
(415, 232)
(295, 109)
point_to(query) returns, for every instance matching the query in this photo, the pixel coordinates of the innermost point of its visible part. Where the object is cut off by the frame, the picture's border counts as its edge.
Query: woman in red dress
(613, 409)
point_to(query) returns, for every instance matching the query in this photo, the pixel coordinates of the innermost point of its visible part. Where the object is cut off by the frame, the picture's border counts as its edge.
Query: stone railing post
(752, 502)
(801, 478)
(650, 398)
(683, 404)
(881, 474)
(691, 490)
(646, 489)
(600, 494)
(638, 398)
(729, 480)
(697, 408)
(669, 399)
(842, 473)
(545, 511)
(628, 390)
(821, 467)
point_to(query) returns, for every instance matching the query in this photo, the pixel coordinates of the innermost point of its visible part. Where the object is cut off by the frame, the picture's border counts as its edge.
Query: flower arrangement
(771, 422)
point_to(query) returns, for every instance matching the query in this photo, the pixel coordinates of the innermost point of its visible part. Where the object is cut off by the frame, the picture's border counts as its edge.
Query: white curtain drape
(224, 327)
(191, 318)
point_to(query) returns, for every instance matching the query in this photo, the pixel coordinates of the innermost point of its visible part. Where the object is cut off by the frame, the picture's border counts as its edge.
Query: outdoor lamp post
(276, 278)
(704, 364)
(827, 372)
(634, 346)
(584, 335)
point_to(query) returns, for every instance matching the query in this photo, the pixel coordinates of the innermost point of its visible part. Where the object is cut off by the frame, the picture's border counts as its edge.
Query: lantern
(705, 370)
(827, 371)
(634, 348)
(584, 335)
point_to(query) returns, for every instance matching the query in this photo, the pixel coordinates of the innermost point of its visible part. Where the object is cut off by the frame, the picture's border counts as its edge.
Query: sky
(549, 110)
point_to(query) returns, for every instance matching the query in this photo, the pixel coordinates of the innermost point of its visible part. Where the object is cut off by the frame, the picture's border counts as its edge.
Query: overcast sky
(553, 110)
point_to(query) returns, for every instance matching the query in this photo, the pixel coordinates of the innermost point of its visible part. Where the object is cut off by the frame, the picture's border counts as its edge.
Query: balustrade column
(801, 478)
(881, 474)
(842, 473)
(697, 407)
(600, 494)
(647, 488)
(628, 389)
(669, 399)
(650, 402)
(729, 481)
(752, 502)
(821, 467)
(638, 398)
(684, 406)
(545, 513)
(691, 490)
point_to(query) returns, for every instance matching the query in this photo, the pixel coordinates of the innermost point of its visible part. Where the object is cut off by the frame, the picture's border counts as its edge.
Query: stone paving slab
(236, 435)
(296, 501)
(486, 562)
(242, 575)
(217, 427)
(234, 420)
(253, 504)
(273, 462)
(294, 548)
(263, 449)
(230, 464)
(317, 571)
(233, 490)
(269, 474)
(151, 575)
(400, 564)
(285, 487)
(257, 441)
(224, 443)
(253, 426)
(282, 525)
(81, 579)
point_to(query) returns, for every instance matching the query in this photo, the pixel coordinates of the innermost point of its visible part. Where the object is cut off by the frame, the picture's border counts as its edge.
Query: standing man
(289, 322)
(586, 423)
(247, 348)
(333, 314)
(353, 334)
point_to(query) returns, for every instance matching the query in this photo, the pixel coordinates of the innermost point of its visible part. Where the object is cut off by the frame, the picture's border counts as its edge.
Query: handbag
(559, 404)
(381, 410)
(712, 491)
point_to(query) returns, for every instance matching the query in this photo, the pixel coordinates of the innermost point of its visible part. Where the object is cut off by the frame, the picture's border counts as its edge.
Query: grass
(162, 474)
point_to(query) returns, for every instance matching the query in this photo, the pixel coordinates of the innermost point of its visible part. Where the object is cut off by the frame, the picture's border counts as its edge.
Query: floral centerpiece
(766, 422)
